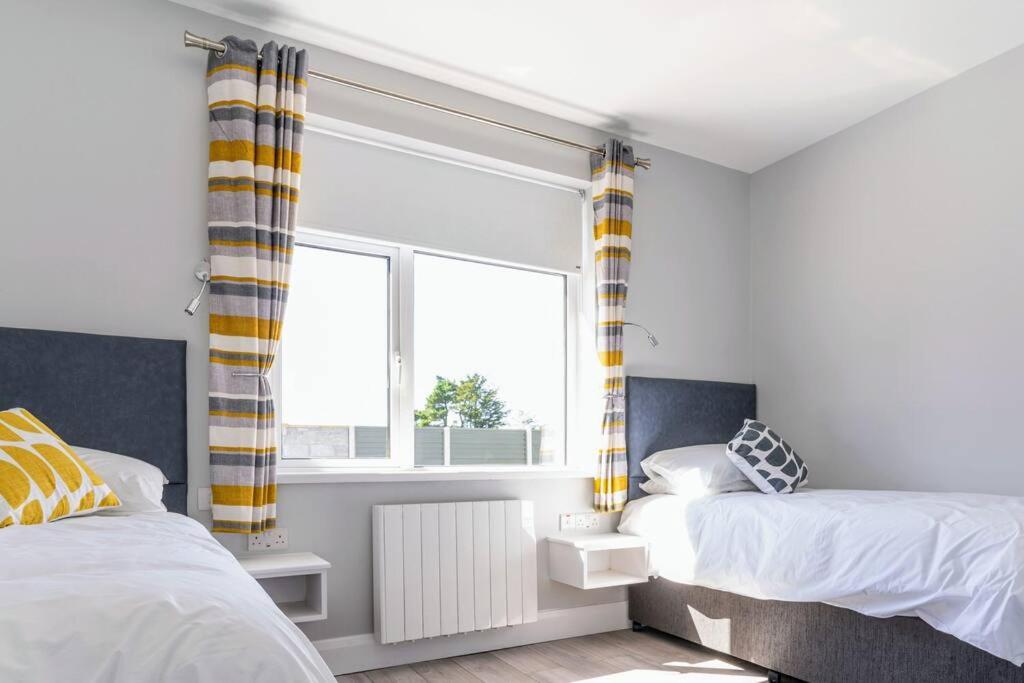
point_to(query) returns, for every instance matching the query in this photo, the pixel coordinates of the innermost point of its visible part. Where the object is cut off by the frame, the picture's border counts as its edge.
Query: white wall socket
(205, 499)
(274, 539)
(577, 521)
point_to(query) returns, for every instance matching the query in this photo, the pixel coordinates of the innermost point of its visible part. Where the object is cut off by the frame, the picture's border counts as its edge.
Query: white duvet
(955, 560)
(148, 597)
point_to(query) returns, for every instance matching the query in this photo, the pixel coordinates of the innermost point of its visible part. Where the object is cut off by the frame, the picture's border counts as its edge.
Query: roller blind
(354, 188)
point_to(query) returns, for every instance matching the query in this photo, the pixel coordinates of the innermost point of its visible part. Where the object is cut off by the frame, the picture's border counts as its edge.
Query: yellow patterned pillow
(41, 478)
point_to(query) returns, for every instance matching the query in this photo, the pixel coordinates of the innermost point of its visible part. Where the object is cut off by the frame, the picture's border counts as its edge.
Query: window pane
(334, 356)
(489, 363)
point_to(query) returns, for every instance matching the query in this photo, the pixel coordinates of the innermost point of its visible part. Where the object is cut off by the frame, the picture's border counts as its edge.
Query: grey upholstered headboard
(670, 413)
(119, 394)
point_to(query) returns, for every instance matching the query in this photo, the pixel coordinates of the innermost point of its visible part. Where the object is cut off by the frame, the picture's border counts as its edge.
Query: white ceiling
(742, 83)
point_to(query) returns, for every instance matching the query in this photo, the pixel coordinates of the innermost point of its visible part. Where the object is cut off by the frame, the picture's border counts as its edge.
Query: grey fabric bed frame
(119, 394)
(808, 641)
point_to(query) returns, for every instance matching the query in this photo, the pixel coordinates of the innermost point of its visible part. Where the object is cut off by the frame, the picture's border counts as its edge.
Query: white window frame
(400, 465)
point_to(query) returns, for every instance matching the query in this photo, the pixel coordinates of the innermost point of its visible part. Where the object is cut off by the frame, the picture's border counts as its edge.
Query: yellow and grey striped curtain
(256, 108)
(612, 177)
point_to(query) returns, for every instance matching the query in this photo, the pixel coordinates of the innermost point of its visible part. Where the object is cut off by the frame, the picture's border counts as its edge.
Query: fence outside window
(434, 446)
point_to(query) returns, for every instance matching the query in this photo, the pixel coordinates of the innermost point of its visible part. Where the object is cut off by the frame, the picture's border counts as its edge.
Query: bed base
(812, 641)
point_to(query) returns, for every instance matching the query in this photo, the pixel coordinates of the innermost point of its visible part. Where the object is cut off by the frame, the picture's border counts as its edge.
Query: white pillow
(655, 485)
(702, 470)
(139, 485)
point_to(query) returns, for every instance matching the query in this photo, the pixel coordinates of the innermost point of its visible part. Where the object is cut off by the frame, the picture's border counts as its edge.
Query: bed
(721, 604)
(148, 596)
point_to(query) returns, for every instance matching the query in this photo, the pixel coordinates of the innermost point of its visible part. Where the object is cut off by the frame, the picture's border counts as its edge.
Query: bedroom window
(401, 357)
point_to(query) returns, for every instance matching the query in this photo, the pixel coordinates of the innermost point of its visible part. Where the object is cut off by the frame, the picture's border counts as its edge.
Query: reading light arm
(651, 339)
(202, 273)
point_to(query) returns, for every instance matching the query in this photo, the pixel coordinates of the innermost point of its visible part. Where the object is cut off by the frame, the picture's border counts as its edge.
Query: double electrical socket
(274, 539)
(577, 520)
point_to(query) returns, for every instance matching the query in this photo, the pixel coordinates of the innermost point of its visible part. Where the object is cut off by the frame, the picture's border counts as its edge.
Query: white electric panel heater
(446, 568)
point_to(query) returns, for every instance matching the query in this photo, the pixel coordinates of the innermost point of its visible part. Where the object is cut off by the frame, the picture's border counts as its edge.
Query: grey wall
(104, 219)
(888, 292)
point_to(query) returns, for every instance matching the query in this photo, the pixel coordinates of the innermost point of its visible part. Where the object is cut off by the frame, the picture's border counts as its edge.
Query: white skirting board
(362, 652)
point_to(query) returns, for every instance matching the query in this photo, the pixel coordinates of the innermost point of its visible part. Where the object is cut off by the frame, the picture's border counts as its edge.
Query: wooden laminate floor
(616, 657)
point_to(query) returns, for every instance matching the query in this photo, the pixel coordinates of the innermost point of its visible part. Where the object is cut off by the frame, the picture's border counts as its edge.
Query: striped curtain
(256, 108)
(612, 177)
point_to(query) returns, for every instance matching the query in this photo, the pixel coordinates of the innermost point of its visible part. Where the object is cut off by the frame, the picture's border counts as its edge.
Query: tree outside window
(469, 403)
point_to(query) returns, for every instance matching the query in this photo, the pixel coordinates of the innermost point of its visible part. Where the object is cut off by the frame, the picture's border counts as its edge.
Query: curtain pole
(192, 40)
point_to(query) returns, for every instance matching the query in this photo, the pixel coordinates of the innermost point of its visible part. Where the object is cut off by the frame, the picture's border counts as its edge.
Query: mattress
(954, 560)
(145, 597)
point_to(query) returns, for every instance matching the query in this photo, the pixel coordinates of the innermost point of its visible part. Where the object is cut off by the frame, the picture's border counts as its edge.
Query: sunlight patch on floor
(709, 664)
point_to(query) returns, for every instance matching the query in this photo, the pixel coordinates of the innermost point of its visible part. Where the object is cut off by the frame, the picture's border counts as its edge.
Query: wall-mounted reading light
(202, 273)
(651, 339)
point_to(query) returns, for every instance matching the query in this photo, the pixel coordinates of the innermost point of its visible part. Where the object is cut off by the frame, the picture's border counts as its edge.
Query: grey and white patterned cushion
(766, 459)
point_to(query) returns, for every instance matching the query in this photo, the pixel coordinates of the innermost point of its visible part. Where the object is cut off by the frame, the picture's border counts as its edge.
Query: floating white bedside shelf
(296, 582)
(597, 560)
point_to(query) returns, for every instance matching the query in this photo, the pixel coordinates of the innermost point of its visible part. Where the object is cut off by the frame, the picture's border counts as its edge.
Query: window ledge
(368, 475)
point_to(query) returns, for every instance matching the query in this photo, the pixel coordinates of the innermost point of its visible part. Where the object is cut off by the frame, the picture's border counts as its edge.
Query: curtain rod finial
(192, 40)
